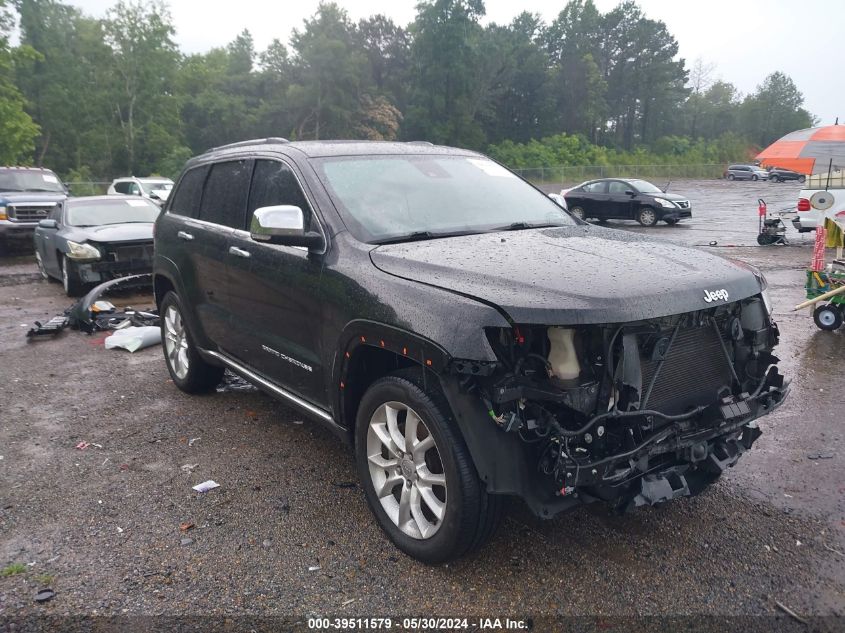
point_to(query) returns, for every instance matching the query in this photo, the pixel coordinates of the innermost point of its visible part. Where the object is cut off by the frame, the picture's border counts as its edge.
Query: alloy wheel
(40, 262)
(578, 212)
(176, 342)
(647, 217)
(406, 471)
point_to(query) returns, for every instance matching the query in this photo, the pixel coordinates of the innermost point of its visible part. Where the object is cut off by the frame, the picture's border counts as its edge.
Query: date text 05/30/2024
(419, 624)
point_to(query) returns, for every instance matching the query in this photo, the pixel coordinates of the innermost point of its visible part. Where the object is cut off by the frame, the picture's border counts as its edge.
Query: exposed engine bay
(635, 413)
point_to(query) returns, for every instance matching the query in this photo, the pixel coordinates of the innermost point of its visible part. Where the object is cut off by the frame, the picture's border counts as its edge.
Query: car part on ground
(134, 337)
(51, 328)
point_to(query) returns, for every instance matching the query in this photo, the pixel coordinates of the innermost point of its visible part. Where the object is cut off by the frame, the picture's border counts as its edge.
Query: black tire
(199, 376)
(828, 317)
(764, 239)
(40, 263)
(647, 216)
(72, 284)
(774, 179)
(671, 221)
(731, 177)
(754, 177)
(578, 212)
(471, 515)
(802, 178)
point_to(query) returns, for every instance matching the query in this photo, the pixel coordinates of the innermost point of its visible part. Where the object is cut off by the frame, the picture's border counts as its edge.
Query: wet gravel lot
(289, 533)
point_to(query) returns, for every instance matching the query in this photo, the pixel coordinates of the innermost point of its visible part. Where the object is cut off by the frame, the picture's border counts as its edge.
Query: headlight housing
(666, 204)
(75, 250)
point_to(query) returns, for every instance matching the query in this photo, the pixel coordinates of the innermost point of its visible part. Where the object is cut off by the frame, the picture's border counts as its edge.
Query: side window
(56, 213)
(618, 186)
(274, 183)
(121, 187)
(225, 194)
(596, 187)
(186, 198)
(134, 189)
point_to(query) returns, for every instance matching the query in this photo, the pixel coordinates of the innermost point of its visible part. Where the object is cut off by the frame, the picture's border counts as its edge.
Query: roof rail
(254, 141)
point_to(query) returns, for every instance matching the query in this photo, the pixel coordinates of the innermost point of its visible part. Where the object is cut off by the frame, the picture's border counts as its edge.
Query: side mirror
(48, 223)
(283, 224)
(630, 192)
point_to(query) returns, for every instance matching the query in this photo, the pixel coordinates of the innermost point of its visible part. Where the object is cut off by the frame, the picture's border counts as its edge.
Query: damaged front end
(632, 414)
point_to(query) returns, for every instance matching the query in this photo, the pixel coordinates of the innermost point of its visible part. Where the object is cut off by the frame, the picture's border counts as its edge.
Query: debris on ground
(790, 612)
(185, 526)
(186, 541)
(52, 328)
(192, 440)
(314, 568)
(820, 456)
(44, 595)
(188, 468)
(83, 445)
(206, 486)
(233, 382)
(133, 338)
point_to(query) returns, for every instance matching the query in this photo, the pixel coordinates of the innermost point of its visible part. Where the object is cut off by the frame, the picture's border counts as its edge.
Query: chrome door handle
(182, 235)
(238, 252)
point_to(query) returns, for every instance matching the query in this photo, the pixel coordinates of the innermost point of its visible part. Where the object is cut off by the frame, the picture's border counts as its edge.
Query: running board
(284, 394)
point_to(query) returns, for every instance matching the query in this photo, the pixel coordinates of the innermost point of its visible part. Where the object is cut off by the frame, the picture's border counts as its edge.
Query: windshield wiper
(520, 226)
(409, 237)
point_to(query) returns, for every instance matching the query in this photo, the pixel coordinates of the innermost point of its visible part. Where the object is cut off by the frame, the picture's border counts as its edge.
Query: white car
(816, 204)
(155, 189)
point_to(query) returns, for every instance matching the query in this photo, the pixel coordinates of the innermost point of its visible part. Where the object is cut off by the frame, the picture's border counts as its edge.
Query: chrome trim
(266, 384)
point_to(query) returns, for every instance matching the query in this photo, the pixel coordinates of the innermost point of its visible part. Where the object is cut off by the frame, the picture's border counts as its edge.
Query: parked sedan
(778, 174)
(94, 239)
(613, 198)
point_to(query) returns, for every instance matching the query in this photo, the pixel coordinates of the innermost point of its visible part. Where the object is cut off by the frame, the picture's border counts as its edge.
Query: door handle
(182, 235)
(238, 252)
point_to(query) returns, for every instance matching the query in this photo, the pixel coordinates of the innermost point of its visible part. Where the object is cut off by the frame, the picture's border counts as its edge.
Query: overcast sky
(745, 40)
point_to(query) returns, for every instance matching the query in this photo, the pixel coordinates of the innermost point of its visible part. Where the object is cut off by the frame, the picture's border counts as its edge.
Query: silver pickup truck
(27, 195)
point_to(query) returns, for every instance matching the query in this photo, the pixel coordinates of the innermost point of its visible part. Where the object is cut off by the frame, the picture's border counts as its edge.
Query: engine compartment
(634, 413)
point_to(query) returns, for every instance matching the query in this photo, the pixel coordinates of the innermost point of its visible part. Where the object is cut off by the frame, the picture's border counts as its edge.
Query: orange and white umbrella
(815, 150)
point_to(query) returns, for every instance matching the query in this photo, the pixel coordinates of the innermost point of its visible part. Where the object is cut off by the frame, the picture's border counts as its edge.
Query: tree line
(103, 97)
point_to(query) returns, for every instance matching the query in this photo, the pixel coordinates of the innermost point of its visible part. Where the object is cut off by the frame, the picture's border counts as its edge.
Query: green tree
(17, 129)
(775, 109)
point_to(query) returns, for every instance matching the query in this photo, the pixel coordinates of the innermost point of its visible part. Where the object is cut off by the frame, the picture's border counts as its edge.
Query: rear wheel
(417, 474)
(578, 212)
(754, 177)
(802, 178)
(731, 177)
(41, 270)
(72, 285)
(647, 216)
(187, 368)
(828, 317)
(775, 179)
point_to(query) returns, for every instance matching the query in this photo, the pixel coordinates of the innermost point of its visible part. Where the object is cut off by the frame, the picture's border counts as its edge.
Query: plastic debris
(134, 338)
(206, 486)
(186, 541)
(233, 382)
(188, 467)
(192, 440)
(44, 595)
(315, 568)
(184, 527)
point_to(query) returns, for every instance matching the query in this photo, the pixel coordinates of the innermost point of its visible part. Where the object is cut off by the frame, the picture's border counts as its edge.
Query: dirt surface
(288, 531)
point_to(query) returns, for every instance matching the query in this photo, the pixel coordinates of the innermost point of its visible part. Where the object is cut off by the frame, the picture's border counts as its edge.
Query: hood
(109, 233)
(18, 197)
(571, 275)
(674, 197)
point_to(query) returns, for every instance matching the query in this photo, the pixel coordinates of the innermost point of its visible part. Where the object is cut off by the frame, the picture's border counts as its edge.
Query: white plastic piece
(134, 338)
(206, 486)
(562, 356)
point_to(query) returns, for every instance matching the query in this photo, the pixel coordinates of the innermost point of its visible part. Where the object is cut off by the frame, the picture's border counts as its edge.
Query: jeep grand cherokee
(466, 335)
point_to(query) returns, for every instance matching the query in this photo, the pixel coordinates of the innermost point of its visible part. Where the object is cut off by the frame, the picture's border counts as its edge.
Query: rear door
(596, 199)
(45, 242)
(275, 298)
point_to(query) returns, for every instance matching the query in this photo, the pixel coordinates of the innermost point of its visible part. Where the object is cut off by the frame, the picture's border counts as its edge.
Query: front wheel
(828, 317)
(774, 179)
(646, 216)
(42, 270)
(754, 177)
(417, 473)
(72, 285)
(187, 368)
(731, 177)
(578, 212)
(802, 178)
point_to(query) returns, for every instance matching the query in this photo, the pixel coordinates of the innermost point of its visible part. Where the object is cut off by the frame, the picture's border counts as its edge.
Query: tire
(764, 239)
(578, 212)
(647, 216)
(802, 178)
(828, 317)
(40, 262)
(754, 177)
(469, 515)
(731, 177)
(671, 221)
(73, 286)
(187, 368)
(774, 179)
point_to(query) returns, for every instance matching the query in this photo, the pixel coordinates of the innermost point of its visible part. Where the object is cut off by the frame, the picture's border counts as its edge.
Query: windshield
(643, 186)
(385, 198)
(30, 180)
(149, 187)
(99, 212)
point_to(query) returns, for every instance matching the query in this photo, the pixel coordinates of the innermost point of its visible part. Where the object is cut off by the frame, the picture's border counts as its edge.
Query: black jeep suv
(464, 334)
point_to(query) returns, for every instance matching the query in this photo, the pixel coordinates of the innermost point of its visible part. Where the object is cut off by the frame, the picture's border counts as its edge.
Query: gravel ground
(288, 532)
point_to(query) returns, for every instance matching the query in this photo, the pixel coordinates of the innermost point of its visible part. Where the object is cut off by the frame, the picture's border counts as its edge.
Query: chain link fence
(88, 188)
(574, 174)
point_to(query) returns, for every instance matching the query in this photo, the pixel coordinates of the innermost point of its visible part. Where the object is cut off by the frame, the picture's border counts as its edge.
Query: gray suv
(746, 172)
(27, 195)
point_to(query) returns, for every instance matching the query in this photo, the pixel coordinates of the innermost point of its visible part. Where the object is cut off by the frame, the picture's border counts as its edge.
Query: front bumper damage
(628, 414)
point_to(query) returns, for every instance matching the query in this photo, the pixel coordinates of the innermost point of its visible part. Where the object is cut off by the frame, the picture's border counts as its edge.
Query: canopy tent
(815, 150)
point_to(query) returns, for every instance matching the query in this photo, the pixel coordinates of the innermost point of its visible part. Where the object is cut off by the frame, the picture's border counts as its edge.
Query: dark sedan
(779, 174)
(90, 240)
(617, 199)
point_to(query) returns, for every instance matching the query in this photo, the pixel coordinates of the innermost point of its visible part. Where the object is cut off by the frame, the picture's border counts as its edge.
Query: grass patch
(13, 569)
(44, 580)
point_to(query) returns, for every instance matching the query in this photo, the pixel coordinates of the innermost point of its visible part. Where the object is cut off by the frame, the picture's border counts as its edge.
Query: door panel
(618, 202)
(275, 296)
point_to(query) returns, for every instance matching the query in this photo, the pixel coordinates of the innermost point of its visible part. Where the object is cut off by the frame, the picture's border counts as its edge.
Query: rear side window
(225, 194)
(186, 198)
(274, 183)
(596, 187)
(121, 187)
